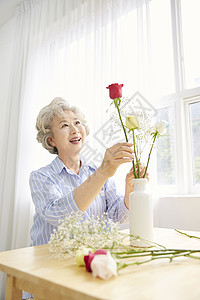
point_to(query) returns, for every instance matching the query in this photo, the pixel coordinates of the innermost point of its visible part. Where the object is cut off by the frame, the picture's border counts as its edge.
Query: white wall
(181, 212)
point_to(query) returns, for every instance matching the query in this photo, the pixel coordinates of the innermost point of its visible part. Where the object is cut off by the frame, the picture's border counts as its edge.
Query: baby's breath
(76, 231)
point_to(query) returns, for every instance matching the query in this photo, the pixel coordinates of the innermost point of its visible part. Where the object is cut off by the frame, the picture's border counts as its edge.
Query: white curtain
(72, 49)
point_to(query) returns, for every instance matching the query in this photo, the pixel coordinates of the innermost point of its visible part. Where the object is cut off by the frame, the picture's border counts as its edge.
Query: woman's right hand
(115, 156)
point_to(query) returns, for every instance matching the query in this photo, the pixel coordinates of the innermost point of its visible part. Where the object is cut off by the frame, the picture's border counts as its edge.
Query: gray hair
(45, 118)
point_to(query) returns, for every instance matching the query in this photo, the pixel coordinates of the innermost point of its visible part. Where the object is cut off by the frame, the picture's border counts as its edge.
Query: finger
(130, 176)
(142, 169)
(123, 144)
(121, 148)
(123, 160)
(121, 154)
(141, 166)
(142, 172)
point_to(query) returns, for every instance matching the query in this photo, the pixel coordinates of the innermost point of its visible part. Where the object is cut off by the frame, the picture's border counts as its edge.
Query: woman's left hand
(129, 188)
(142, 171)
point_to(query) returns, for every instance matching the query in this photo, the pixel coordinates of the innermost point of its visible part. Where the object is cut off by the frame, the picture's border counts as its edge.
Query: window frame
(192, 189)
(180, 101)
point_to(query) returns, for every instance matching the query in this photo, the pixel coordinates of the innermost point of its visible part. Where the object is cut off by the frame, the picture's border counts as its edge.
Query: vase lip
(140, 180)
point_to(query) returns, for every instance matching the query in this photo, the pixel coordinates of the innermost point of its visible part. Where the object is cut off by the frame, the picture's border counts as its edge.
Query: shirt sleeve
(48, 198)
(116, 207)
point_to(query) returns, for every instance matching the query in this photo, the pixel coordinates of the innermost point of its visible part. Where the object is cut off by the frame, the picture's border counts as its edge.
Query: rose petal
(115, 90)
(132, 122)
(88, 258)
(100, 251)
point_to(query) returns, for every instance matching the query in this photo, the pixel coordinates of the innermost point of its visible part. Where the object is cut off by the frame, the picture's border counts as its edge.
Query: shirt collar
(58, 166)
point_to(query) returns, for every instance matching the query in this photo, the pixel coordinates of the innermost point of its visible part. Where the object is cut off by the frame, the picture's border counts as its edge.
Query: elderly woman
(69, 184)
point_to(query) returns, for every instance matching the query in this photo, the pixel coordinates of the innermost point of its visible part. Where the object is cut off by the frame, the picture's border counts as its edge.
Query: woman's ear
(51, 141)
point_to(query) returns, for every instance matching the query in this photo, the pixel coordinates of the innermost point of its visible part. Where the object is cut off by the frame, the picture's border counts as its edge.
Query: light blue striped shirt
(51, 189)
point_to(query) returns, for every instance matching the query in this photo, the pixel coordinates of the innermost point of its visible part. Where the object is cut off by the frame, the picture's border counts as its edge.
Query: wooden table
(35, 270)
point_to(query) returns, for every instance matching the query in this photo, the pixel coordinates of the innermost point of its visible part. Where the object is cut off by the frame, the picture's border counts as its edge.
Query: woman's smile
(75, 140)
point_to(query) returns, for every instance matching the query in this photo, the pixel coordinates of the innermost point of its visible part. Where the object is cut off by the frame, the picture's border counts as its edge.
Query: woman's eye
(64, 125)
(78, 122)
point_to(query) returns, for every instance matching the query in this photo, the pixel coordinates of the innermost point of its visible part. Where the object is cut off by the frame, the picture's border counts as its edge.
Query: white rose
(104, 266)
(132, 122)
(161, 126)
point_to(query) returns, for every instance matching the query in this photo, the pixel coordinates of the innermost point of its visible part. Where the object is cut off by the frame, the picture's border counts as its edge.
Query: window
(165, 150)
(194, 119)
(178, 154)
(191, 46)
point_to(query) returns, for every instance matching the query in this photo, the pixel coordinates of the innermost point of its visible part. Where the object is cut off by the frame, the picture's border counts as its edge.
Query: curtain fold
(72, 49)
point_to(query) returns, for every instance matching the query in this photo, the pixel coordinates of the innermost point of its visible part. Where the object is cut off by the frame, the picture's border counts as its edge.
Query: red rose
(115, 90)
(88, 258)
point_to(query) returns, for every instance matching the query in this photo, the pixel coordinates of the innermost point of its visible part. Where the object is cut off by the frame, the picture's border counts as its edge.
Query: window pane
(195, 137)
(165, 150)
(162, 49)
(191, 45)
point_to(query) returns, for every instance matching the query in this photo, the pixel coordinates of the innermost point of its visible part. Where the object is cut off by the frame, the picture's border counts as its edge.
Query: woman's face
(68, 134)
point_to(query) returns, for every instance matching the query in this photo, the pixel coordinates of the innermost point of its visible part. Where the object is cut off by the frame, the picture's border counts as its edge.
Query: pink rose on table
(101, 264)
(115, 90)
(88, 258)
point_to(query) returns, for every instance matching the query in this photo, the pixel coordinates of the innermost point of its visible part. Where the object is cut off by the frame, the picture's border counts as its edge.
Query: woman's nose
(73, 128)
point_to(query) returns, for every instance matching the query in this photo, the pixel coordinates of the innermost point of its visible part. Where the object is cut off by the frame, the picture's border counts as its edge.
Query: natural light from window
(194, 109)
(191, 43)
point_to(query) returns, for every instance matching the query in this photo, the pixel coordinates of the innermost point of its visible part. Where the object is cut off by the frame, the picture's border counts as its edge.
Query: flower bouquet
(142, 128)
(144, 132)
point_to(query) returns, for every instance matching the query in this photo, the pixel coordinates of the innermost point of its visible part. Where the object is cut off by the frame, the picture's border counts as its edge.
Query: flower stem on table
(188, 235)
(154, 255)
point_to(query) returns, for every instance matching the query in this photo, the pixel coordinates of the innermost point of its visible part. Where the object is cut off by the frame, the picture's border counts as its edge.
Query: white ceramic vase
(141, 214)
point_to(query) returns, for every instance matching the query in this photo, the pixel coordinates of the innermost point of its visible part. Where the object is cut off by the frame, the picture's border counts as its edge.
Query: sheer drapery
(72, 49)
